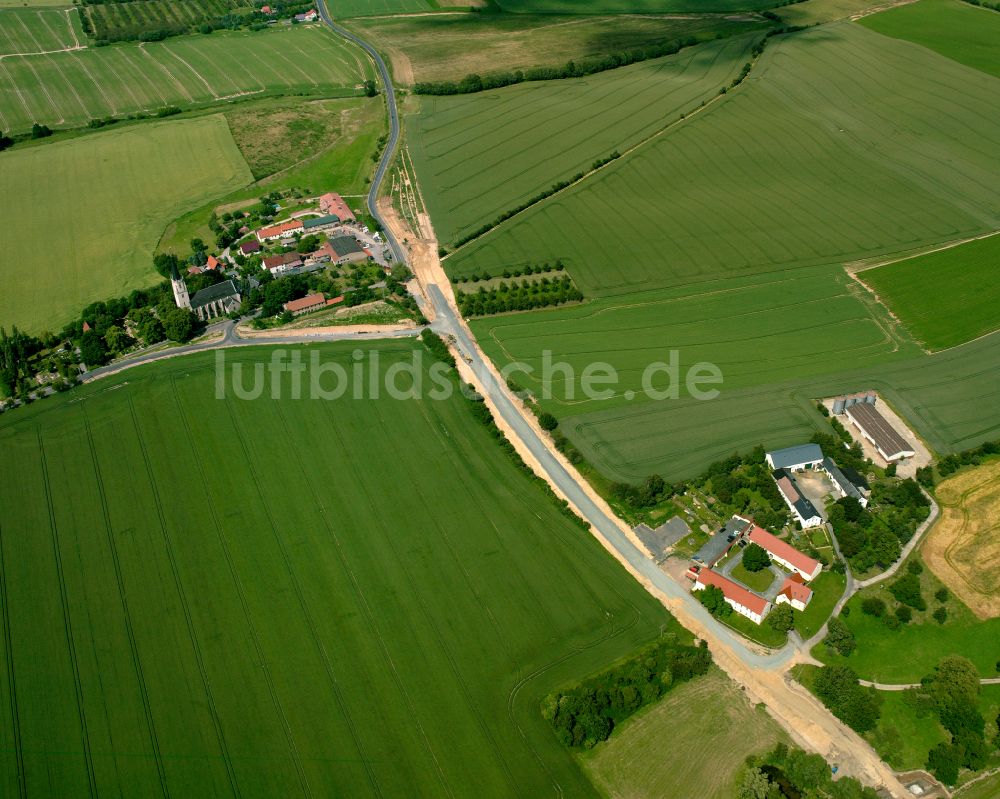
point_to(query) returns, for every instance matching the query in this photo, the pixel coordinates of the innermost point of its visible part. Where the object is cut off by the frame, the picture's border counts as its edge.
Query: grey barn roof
(803, 506)
(793, 456)
(219, 291)
(846, 485)
(320, 221)
(874, 424)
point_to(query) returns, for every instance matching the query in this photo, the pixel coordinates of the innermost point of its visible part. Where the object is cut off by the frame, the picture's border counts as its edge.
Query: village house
(250, 247)
(280, 264)
(794, 592)
(282, 231)
(801, 508)
(311, 302)
(332, 203)
(785, 554)
(741, 599)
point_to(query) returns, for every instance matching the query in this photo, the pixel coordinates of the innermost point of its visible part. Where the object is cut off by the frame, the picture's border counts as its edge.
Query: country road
(763, 674)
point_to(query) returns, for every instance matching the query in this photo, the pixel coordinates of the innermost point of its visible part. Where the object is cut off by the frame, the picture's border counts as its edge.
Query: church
(218, 300)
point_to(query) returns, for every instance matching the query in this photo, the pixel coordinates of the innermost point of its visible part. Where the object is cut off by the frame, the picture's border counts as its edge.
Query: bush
(839, 637)
(907, 590)
(941, 615)
(904, 614)
(915, 567)
(873, 606)
(712, 598)
(548, 422)
(941, 595)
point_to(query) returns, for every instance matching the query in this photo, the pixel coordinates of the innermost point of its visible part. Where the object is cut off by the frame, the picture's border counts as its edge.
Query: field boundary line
(67, 619)
(100, 88)
(864, 267)
(185, 607)
(685, 116)
(254, 637)
(194, 72)
(122, 595)
(293, 579)
(11, 680)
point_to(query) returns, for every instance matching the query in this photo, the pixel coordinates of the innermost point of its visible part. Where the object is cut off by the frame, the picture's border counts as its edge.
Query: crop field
(364, 8)
(814, 12)
(911, 652)
(661, 751)
(944, 298)
(629, 6)
(281, 622)
(963, 547)
(35, 4)
(479, 155)
(451, 46)
(29, 30)
(955, 29)
(92, 233)
(117, 20)
(745, 186)
(69, 88)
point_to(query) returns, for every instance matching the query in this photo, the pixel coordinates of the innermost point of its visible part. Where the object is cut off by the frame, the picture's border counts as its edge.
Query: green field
(745, 186)
(907, 654)
(68, 89)
(628, 6)
(39, 30)
(436, 47)
(479, 155)
(827, 589)
(951, 27)
(364, 8)
(278, 598)
(944, 298)
(118, 20)
(91, 236)
(690, 744)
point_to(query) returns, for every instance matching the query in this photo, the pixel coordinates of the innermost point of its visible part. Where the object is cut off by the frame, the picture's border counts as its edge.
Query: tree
(858, 707)
(755, 558)
(371, 89)
(151, 331)
(839, 637)
(40, 131)
(713, 599)
(940, 615)
(548, 422)
(943, 761)
(5, 141)
(754, 785)
(117, 339)
(93, 350)
(178, 324)
(165, 263)
(904, 614)
(907, 590)
(941, 595)
(781, 618)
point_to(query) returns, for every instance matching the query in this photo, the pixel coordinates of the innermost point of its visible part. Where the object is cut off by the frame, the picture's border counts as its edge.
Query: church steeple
(179, 286)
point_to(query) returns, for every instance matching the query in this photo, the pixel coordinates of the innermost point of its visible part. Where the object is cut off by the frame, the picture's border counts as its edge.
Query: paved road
(390, 147)
(902, 687)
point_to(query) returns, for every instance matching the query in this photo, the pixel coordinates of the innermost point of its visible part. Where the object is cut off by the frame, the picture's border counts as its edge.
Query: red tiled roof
(284, 259)
(785, 551)
(195, 270)
(250, 246)
(333, 203)
(309, 301)
(795, 588)
(734, 591)
(335, 300)
(212, 262)
(788, 489)
(277, 230)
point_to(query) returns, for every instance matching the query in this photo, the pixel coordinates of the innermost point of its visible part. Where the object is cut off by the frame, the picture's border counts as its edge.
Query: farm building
(333, 203)
(218, 300)
(844, 486)
(802, 509)
(785, 554)
(846, 401)
(282, 231)
(795, 592)
(713, 550)
(279, 264)
(311, 302)
(250, 247)
(742, 600)
(342, 250)
(874, 427)
(319, 223)
(795, 459)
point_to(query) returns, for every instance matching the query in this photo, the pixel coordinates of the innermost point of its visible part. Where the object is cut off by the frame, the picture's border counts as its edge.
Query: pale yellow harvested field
(963, 548)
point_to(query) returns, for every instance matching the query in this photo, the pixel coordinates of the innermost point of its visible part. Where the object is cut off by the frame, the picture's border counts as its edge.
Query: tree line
(586, 714)
(520, 295)
(786, 771)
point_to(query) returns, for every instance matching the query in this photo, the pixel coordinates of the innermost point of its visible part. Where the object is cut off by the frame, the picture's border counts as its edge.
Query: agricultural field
(92, 236)
(817, 12)
(479, 155)
(450, 46)
(29, 30)
(130, 20)
(962, 548)
(663, 750)
(629, 6)
(365, 8)
(276, 624)
(716, 195)
(70, 88)
(905, 655)
(334, 144)
(955, 29)
(944, 298)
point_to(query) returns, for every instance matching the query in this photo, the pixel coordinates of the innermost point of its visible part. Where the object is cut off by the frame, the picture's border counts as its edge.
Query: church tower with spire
(180, 287)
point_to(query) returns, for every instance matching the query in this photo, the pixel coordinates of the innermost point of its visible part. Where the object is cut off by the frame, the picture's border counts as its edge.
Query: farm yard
(962, 548)
(29, 30)
(910, 172)
(953, 28)
(92, 236)
(182, 624)
(70, 88)
(944, 298)
(450, 46)
(479, 155)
